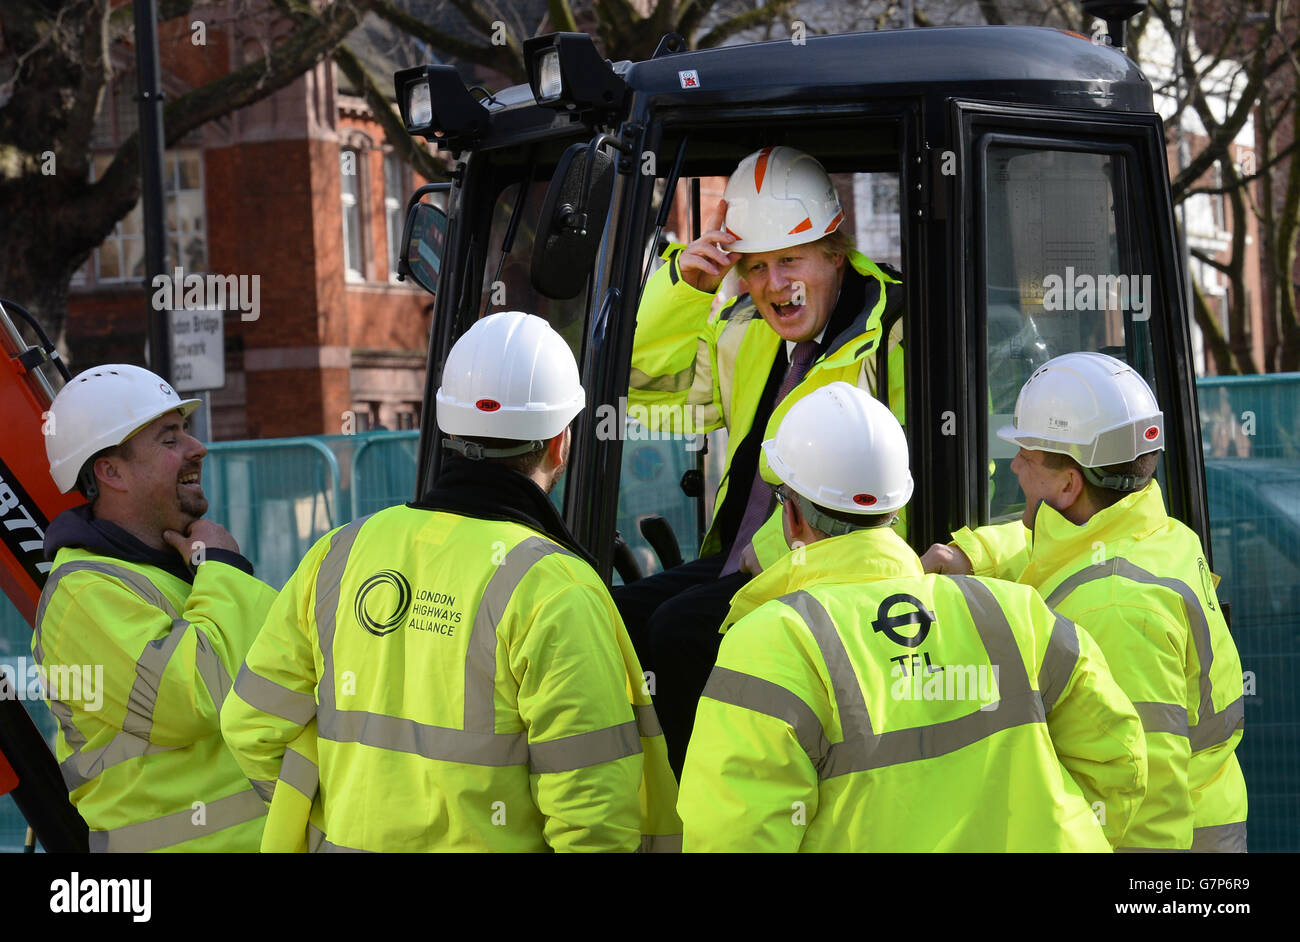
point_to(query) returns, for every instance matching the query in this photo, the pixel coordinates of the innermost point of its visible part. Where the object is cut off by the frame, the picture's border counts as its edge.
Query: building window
(396, 185)
(120, 258)
(1218, 202)
(409, 417)
(350, 166)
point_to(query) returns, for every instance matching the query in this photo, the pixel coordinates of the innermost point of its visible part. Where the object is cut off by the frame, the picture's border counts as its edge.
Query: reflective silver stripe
(327, 847)
(481, 652)
(265, 790)
(1215, 728)
(668, 382)
(647, 720)
(144, 690)
(1162, 717)
(1058, 661)
(215, 676)
(431, 742)
(1149, 850)
(1220, 839)
(661, 844)
(81, 767)
(143, 698)
(1211, 728)
(328, 578)
(762, 696)
(583, 750)
(71, 735)
(299, 773)
(863, 749)
(269, 697)
(315, 839)
(478, 743)
(179, 827)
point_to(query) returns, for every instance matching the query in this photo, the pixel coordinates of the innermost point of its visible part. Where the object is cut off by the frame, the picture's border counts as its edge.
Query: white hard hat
(1092, 407)
(842, 449)
(509, 376)
(780, 197)
(100, 408)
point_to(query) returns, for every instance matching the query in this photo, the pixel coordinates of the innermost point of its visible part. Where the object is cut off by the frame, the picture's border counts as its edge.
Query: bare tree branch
(405, 145)
(562, 16)
(743, 21)
(495, 57)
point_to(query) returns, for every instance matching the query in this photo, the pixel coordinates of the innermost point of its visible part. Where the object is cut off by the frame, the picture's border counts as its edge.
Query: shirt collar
(790, 344)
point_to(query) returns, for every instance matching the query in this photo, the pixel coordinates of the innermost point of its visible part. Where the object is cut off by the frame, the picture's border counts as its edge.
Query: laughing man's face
(794, 289)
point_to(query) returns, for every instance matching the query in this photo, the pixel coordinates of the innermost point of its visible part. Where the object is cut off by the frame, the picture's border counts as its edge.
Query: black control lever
(658, 532)
(625, 561)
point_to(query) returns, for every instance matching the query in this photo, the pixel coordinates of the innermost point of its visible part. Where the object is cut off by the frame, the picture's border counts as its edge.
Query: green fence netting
(1251, 431)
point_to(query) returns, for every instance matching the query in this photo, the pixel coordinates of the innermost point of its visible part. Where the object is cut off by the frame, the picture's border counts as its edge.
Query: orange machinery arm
(29, 500)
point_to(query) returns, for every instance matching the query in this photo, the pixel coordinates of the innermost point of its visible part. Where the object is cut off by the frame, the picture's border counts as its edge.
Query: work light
(566, 71)
(436, 105)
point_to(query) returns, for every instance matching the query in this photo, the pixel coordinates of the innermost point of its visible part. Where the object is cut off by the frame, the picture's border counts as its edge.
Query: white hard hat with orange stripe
(780, 197)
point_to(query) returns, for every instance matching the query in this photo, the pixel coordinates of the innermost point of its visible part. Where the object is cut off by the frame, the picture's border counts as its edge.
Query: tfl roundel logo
(864, 500)
(383, 601)
(487, 405)
(1152, 433)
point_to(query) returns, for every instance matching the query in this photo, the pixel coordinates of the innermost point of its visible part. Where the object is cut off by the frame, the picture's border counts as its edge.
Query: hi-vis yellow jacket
(693, 373)
(1137, 580)
(147, 767)
(473, 688)
(859, 705)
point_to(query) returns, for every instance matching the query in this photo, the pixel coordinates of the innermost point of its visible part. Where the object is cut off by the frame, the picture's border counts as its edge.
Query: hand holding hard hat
(704, 263)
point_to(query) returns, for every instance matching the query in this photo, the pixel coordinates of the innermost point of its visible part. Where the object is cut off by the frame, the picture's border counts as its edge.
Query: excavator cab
(1014, 177)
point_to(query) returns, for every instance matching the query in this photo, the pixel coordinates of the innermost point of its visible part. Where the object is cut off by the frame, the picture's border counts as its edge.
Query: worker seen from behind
(472, 685)
(810, 314)
(1097, 544)
(860, 705)
(156, 599)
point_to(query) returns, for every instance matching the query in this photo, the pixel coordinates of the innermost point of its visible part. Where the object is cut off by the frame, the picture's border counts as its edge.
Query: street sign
(198, 350)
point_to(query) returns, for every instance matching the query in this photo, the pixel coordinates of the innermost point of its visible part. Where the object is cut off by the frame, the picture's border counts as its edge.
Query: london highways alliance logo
(374, 606)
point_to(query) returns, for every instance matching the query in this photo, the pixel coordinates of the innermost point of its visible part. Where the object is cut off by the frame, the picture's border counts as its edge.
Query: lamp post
(150, 97)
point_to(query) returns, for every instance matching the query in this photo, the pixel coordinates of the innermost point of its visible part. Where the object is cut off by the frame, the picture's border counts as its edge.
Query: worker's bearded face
(164, 474)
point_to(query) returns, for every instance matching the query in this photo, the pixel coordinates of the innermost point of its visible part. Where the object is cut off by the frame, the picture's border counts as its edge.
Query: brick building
(301, 190)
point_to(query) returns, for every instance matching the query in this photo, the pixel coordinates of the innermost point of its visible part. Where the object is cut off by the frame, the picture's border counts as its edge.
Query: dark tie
(759, 506)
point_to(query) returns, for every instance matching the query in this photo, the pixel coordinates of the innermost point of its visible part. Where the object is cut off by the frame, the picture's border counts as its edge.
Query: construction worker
(858, 704)
(810, 314)
(147, 594)
(1096, 543)
(471, 682)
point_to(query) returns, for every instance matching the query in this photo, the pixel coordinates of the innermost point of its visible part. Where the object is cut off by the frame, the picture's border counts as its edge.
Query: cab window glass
(506, 285)
(1062, 272)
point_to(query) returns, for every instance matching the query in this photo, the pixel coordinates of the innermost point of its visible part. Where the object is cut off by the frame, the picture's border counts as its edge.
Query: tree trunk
(1288, 226)
(1214, 342)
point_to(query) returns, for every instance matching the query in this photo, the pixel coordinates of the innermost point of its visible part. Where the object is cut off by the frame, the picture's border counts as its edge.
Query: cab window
(1063, 272)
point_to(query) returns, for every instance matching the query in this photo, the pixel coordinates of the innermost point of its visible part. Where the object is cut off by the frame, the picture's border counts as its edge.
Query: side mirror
(423, 245)
(572, 220)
